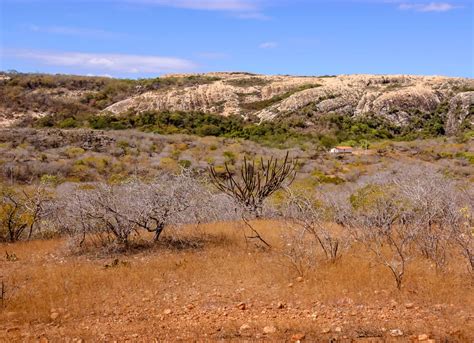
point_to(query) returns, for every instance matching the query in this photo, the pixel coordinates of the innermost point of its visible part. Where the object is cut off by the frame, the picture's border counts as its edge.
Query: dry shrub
(120, 215)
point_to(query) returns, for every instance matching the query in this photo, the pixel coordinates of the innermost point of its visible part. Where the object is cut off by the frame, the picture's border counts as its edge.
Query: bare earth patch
(224, 290)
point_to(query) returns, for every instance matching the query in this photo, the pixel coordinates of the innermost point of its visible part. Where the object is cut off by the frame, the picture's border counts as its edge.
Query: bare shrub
(299, 250)
(21, 211)
(317, 214)
(109, 214)
(399, 214)
(461, 221)
(430, 197)
(380, 221)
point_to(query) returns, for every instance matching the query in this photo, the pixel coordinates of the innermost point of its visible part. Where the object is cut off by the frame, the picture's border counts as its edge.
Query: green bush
(68, 123)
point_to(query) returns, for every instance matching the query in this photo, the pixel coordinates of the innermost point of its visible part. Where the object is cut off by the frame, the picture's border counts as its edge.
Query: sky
(149, 38)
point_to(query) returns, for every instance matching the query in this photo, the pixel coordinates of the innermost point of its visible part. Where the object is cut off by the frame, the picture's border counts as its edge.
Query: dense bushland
(327, 131)
(397, 216)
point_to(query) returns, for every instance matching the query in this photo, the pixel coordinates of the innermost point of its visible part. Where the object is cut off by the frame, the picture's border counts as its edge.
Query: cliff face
(394, 97)
(268, 97)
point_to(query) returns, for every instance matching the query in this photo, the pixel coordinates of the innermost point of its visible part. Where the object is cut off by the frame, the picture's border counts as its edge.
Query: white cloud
(101, 63)
(103, 75)
(210, 5)
(242, 9)
(74, 31)
(428, 7)
(268, 45)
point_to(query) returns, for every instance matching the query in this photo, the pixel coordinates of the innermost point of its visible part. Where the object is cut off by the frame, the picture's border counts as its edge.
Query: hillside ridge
(396, 98)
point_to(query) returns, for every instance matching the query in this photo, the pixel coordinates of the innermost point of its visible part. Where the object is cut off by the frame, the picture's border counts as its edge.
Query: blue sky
(145, 38)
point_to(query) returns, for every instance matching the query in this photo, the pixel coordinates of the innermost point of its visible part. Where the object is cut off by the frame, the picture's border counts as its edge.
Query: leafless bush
(429, 197)
(461, 221)
(397, 214)
(380, 221)
(299, 250)
(114, 213)
(441, 213)
(316, 214)
(21, 211)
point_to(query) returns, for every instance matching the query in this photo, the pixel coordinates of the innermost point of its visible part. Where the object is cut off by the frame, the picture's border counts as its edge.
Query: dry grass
(202, 284)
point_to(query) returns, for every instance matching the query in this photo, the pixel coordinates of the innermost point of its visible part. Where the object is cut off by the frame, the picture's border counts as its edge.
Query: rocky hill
(396, 98)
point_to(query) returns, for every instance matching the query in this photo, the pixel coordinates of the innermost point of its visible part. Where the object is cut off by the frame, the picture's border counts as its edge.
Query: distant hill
(401, 100)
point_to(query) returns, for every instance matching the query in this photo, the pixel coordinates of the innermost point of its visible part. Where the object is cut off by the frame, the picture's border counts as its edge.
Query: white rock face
(459, 111)
(394, 97)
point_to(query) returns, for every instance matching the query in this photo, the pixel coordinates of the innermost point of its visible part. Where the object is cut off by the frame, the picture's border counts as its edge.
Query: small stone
(396, 333)
(43, 340)
(338, 329)
(241, 306)
(326, 330)
(290, 285)
(297, 337)
(269, 329)
(299, 279)
(409, 305)
(167, 311)
(54, 315)
(13, 332)
(244, 327)
(423, 337)
(280, 305)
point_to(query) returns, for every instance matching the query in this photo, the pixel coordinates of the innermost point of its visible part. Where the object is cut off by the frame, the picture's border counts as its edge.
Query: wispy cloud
(102, 63)
(243, 9)
(428, 7)
(268, 45)
(75, 31)
(210, 5)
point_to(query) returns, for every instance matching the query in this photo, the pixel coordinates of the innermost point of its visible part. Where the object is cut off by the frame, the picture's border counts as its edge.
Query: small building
(342, 150)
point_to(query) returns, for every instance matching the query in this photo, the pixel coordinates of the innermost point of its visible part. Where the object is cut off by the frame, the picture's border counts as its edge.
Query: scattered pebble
(396, 333)
(423, 337)
(297, 337)
(269, 329)
(244, 327)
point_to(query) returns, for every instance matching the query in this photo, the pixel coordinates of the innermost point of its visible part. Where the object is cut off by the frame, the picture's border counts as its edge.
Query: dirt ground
(219, 289)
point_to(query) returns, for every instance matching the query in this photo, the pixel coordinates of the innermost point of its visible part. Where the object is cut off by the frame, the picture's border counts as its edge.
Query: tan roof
(343, 147)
